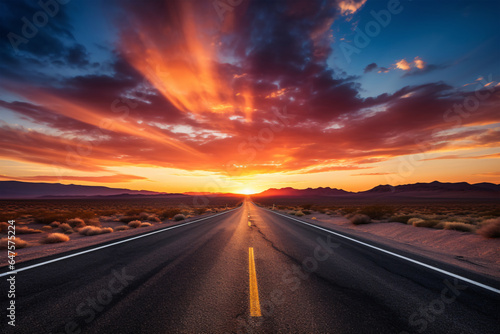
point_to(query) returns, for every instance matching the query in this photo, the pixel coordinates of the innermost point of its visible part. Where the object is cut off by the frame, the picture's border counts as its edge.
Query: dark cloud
(370, 67)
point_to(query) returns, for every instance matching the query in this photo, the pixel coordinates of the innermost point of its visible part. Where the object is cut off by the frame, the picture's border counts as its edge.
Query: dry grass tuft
(145, 224)
(55, 224)
(490, 228)
(76, 222)
(299, 213)
(94, 230)
(179, 217)
(105, 230)
(413, 221)
(65, 227)
(458, 226)
(4, 243)
(121, 228)
(153, 218)
(26, 230)
(134, 223)
(360, 219)
(47, 228)
(54, 238)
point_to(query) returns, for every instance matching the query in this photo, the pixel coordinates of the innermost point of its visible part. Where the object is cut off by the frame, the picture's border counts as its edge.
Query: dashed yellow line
(254, 290)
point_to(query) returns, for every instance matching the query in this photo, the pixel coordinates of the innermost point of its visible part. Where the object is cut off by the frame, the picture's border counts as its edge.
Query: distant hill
(17, 189)
(432, 189)
(22, 190)
(438, 188)
(309, 192)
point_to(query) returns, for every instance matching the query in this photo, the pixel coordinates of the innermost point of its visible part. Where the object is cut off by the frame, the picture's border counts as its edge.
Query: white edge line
(484, 286)
(109, 245)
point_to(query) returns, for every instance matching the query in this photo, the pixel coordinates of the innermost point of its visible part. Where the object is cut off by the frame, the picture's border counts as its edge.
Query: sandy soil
(467, 250)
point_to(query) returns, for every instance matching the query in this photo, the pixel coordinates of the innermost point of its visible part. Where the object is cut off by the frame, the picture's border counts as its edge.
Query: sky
(246, 95)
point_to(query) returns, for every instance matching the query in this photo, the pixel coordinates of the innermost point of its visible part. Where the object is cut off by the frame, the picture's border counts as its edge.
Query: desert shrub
(153, 218)
(292, 213)
(299, 213)
(145, 224)
(306, 206)
(55, 224)
(426, 223)
(26, 230)
(20, 243)
(415, 220)
(360, 219)
(143, 216)
(55, 238)
(307, 212)
(128, 219)
(169, 213)
(76, 222)
(65, 227)
(179, 217)
(134, 223)
(490, 228)
(94, 230)
(200, 210)
(47, 228)
(376, 211)
(457, 226)
(105, 230)
(90, 230)
(122, 228)
(400, 219)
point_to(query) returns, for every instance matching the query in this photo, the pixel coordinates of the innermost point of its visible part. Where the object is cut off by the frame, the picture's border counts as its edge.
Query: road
(219, 274)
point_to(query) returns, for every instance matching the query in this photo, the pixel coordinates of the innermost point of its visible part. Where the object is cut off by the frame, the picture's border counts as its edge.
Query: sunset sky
(243, 95)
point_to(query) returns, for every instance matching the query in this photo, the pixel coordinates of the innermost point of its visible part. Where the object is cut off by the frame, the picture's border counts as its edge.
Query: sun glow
(246, 191)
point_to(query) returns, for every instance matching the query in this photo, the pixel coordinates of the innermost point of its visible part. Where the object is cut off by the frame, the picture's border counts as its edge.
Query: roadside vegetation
(480, 218)
(54, 221)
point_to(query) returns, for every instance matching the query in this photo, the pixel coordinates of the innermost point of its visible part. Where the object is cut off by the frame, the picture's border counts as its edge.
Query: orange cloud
(183, 65)
(116, 178)
(404, 65)
(348, 7)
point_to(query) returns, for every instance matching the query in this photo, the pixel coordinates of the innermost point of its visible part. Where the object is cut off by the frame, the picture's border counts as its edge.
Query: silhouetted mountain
(433, 189)
(17, 189)
(309, 192)
(439, 187)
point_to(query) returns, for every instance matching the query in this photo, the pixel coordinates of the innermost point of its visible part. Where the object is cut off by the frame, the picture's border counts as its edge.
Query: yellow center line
(254, 290)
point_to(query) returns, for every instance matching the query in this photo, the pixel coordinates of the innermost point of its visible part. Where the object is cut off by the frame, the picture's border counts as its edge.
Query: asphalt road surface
(220, 275)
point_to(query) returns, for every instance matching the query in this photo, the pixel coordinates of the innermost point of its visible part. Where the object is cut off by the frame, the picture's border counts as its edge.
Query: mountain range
(25, 190)
(432, 189)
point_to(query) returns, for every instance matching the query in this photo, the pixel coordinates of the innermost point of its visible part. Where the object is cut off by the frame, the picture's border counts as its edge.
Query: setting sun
(246, 191)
